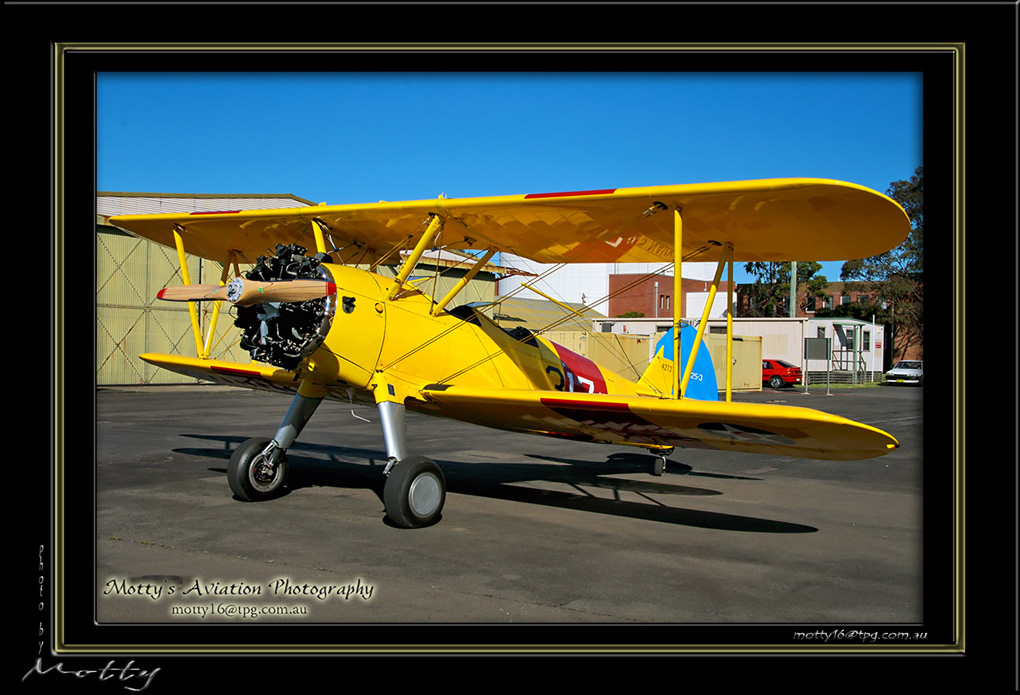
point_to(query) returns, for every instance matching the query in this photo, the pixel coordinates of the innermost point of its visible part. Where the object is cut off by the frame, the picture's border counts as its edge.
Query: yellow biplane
(324, 325)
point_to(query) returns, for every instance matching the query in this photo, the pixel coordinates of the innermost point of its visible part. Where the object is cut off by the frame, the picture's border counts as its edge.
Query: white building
(855, 350)
(588, 283)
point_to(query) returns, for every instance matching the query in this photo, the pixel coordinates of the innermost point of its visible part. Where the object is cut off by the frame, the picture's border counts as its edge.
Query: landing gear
(414, 492)
(415, 488)
(257, 470)
(659, 466)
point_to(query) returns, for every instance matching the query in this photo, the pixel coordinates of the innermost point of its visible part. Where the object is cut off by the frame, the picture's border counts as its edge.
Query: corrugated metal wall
(746, 374)
(130, 320)
(129, 273)
(629, 355)
(625, 355)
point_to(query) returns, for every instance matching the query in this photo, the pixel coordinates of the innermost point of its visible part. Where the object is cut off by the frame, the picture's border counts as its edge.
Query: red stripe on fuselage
(581, 373)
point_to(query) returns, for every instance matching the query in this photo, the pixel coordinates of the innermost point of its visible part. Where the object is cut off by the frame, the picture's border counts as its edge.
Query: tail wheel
(252, 474)
(415, 492)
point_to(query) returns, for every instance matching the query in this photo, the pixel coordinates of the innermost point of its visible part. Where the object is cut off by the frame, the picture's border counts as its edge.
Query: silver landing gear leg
(394, 426)
(415, 488)
(258, 468)
(300, 412)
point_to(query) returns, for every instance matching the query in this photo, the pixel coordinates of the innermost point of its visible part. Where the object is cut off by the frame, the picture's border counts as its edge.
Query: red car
(779, 373)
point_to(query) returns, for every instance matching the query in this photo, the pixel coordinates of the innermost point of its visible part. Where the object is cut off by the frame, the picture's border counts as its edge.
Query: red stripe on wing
(567, 194)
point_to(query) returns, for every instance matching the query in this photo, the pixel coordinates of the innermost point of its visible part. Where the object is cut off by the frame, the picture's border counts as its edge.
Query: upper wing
(767, 220)
(752, 428)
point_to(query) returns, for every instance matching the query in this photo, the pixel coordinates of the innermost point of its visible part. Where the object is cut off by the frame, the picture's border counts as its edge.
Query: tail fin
(659, 375)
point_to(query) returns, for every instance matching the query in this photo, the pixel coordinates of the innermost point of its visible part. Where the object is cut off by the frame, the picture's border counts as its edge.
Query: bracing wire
(643, 214)
(565, 318)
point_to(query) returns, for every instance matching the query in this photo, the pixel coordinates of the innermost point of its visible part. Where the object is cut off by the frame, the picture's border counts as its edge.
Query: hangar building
(130, 271)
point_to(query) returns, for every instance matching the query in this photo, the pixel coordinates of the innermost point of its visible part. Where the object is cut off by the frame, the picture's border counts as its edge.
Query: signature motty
(133, 679)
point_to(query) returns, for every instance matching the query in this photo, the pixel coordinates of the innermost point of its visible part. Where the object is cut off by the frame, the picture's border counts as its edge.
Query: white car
(906, 372)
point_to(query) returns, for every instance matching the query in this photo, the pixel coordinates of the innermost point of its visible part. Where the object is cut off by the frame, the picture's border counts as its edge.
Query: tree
(896, 277)
(769, 296)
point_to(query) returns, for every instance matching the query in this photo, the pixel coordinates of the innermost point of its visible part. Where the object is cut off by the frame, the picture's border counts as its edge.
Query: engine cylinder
(284, 333)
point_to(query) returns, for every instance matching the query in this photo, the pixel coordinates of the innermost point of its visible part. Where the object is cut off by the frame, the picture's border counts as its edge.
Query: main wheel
(415, 492)
(250, 475)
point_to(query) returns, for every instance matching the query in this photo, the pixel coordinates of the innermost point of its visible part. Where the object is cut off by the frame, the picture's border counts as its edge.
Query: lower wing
(228, 373)
(742, 427)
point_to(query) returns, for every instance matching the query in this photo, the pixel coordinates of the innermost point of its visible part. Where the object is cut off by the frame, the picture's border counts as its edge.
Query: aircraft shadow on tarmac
(346, 467)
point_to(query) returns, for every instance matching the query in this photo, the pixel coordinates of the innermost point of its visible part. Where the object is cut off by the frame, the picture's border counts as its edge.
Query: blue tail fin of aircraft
(702, 385)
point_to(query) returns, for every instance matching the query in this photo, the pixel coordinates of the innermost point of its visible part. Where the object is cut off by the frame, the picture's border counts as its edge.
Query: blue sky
(354, 138)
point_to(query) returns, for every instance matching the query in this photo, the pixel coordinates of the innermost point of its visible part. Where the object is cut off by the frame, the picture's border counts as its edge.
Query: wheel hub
(264, 472)
(425, 494)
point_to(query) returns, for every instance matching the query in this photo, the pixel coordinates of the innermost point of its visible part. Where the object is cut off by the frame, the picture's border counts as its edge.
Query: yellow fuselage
(374, 341)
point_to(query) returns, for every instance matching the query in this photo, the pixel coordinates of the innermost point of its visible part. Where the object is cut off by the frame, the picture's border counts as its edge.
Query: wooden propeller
(242, 292)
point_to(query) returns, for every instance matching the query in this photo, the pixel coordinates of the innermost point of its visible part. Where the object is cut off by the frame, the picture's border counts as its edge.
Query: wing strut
(319, 232)
(216, 309)
(729, 327)
(186, 278)
(405, 270)
(202, 348)
(678, 238)
(726, 260)
(463, 282)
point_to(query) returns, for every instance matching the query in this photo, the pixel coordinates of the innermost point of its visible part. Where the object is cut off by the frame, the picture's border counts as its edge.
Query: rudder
(702, 385)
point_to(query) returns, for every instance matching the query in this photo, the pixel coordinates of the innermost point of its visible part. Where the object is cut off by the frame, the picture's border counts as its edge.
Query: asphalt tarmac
(535, 531)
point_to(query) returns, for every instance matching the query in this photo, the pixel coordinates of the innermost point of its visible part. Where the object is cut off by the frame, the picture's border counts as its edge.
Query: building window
(844, 299)
(664, 302)
(867, 341)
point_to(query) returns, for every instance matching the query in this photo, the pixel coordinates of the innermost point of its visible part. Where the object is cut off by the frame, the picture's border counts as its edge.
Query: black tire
(246, 479)
(415, 492)
(777, 382)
